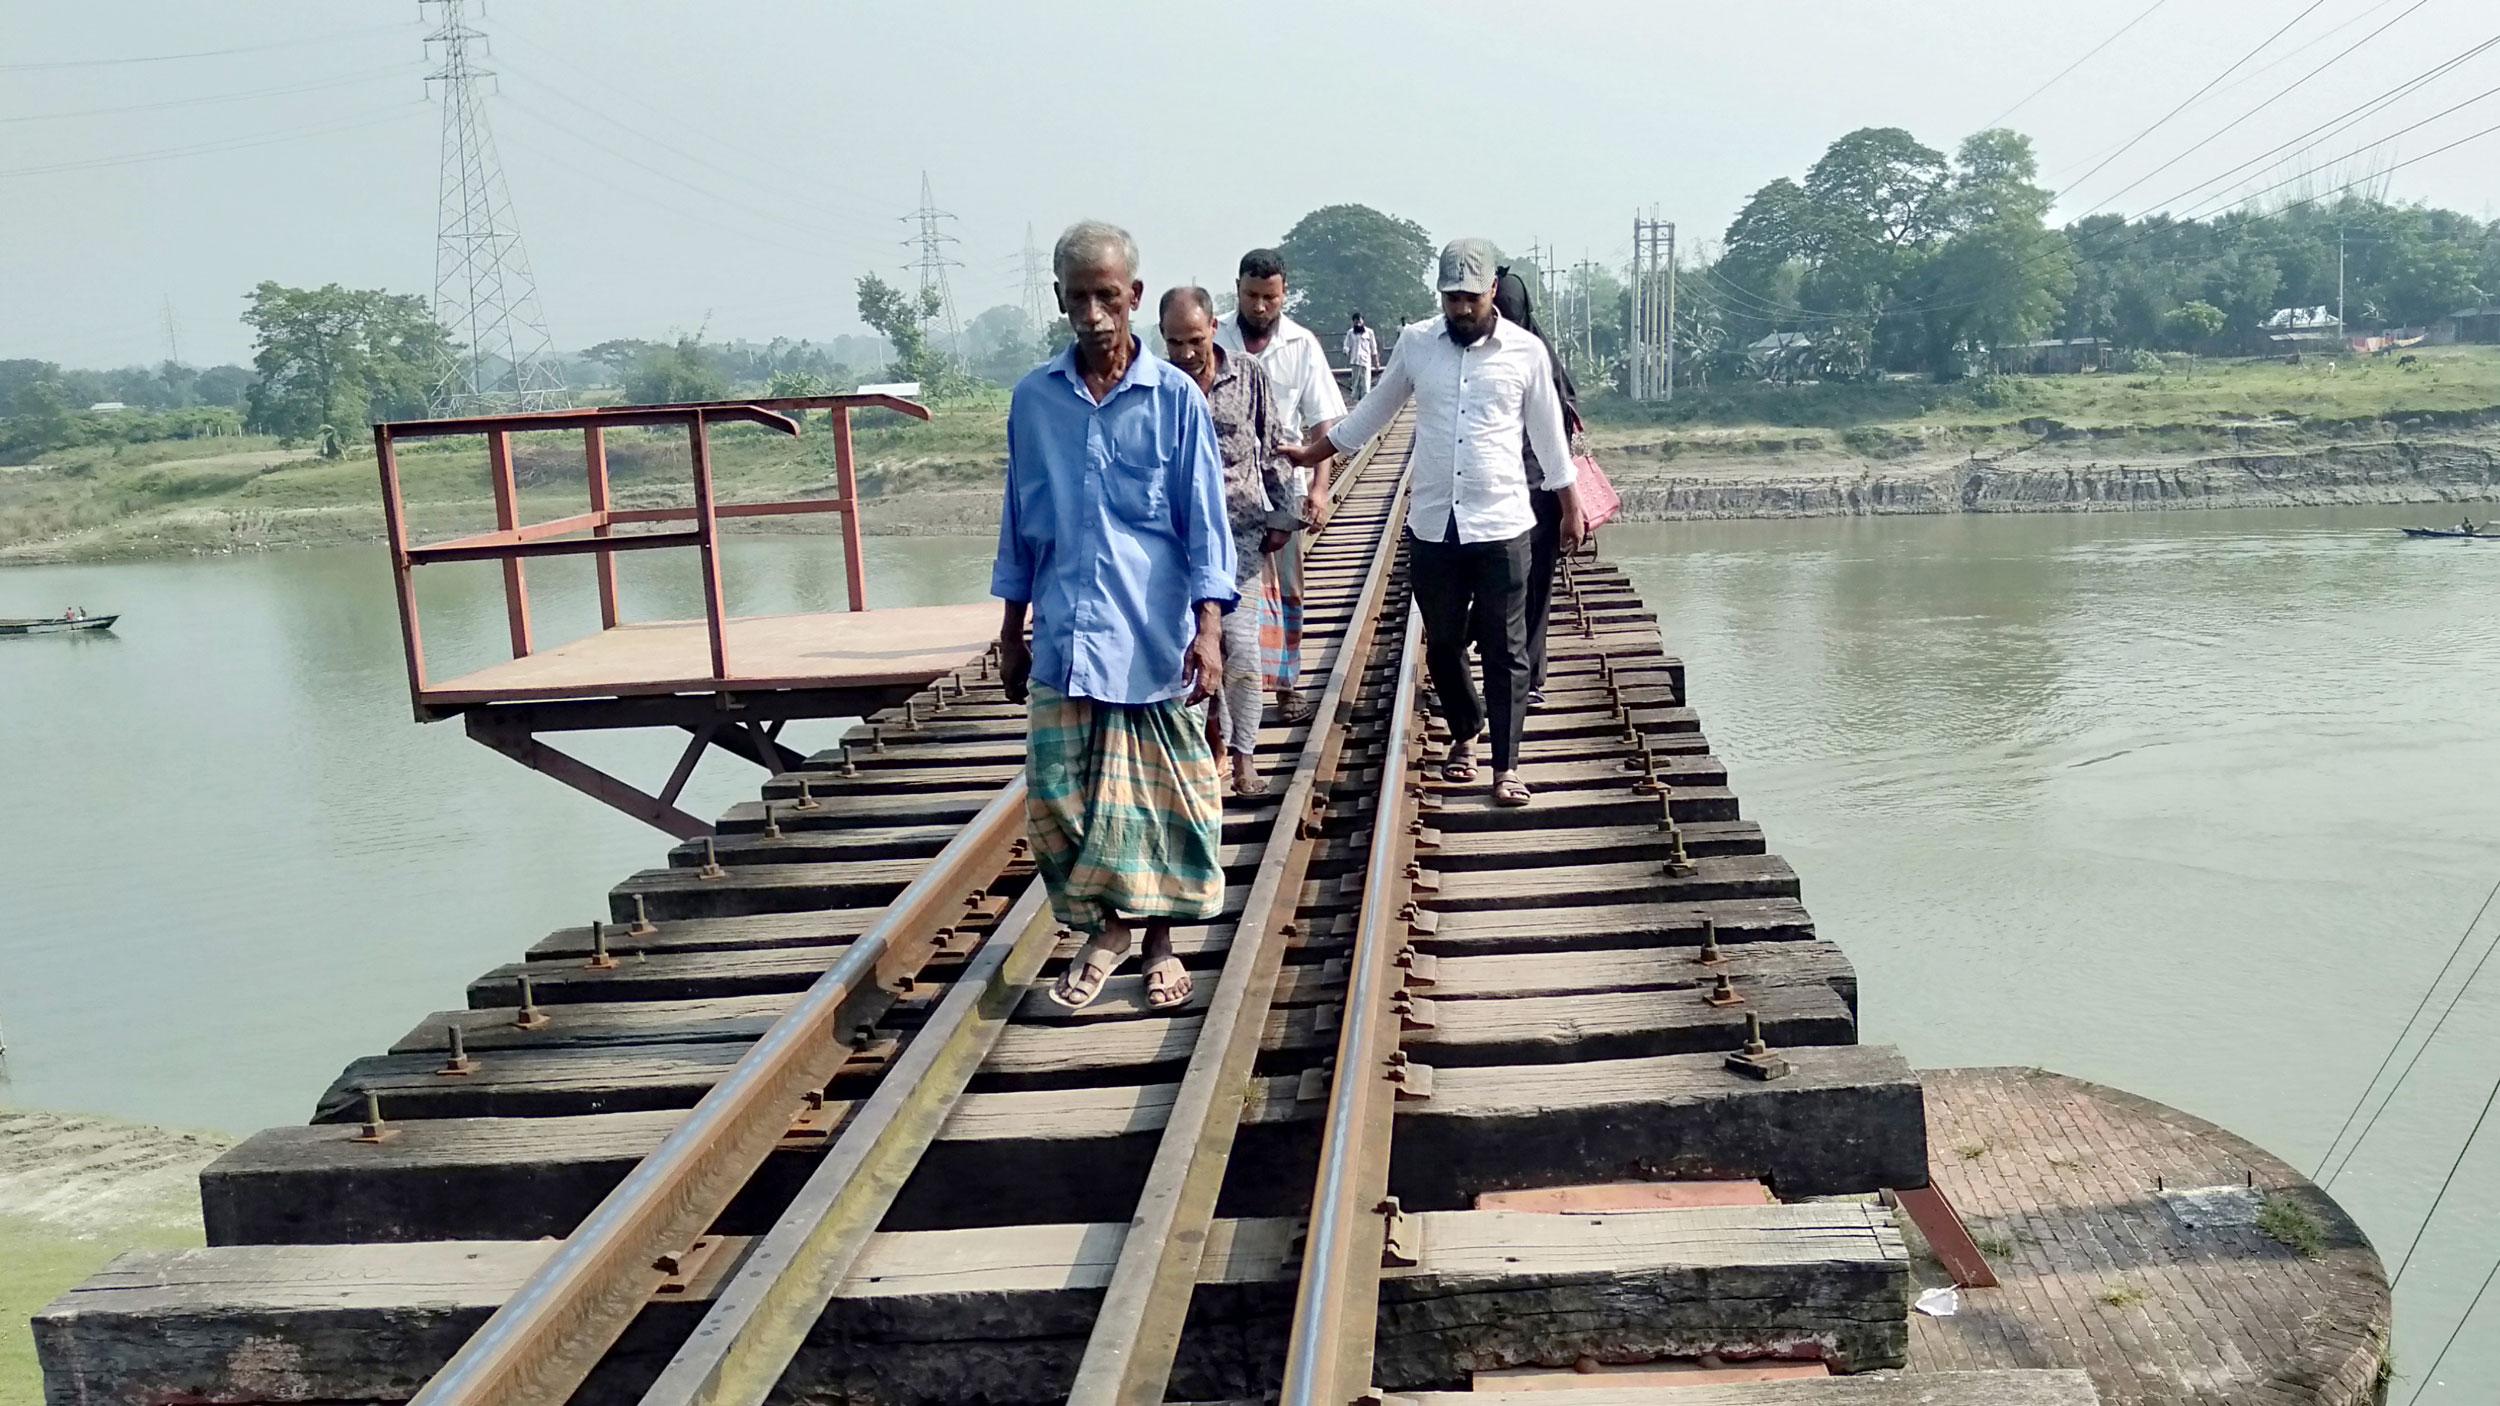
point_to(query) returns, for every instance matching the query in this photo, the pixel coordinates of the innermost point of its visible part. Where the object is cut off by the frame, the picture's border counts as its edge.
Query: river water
(2190, 803)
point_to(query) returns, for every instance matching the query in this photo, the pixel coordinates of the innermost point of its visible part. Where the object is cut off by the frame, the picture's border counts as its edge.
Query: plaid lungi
(1123, 808)
(1280, 626)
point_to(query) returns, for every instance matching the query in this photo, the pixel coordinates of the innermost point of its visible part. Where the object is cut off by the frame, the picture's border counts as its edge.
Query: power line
(2407, 1072)
(2087, 58)
(205, 53)
(349, 80)
(2444, 1183)
(720, 151)
(2454, 1333)
(2276, 96)
(2419, 1007)
(2341, 123)
(2382, 141)
(2129, 144)
(371, 118)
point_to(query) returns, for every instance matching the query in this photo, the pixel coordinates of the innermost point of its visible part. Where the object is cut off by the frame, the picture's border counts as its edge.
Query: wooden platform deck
(834, 649)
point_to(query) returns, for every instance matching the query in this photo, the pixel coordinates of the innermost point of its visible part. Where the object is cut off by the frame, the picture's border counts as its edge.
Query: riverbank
(74, 1192)
(2213, 435)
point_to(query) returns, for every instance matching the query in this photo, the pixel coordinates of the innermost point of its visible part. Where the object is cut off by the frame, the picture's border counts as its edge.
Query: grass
(2123, 1296)
(215, 495)
(43, 1261)
(1973, 1151)
(2289, 1224)
(2183, 408)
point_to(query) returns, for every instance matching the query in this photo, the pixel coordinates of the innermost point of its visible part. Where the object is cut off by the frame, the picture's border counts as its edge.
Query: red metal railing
(513, 541)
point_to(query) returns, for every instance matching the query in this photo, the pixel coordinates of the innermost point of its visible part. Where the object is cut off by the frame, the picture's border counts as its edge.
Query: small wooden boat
(2477, 535)
(57, 625)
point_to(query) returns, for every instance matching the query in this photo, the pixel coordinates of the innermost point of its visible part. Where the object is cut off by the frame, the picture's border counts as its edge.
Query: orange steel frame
(513, 541)
(712, 710)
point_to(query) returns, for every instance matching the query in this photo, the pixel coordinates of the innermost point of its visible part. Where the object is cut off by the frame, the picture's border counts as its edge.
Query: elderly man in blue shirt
(1114, 539)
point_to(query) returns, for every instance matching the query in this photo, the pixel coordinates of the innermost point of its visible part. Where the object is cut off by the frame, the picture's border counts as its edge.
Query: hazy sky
(738, 165)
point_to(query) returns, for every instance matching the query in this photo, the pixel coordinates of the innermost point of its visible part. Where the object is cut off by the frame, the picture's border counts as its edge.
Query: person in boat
(1256, 484)
(1482, 388)
(1113, 542)
(1307, 402)
(2467, 527)
(73, 614)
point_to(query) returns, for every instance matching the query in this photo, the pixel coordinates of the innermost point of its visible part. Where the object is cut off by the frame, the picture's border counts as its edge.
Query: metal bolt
(374, 1129)
(711, 862)
(1723, 993)
(849, 767)
(911, 713)
(643, 926)
(529, 1017)
(807, 799)
(1679, 864)
(1710, 956)
(1753, 1034)
(772, 822)
(458, 1061)
(600, 958)
(876, 739)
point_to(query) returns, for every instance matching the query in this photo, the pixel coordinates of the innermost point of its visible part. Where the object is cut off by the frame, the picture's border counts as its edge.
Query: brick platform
(2129, 1245)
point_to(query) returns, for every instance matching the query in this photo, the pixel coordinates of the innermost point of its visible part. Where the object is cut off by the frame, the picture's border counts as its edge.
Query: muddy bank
(2388, 471)
(74, 1192)
(1809, 480)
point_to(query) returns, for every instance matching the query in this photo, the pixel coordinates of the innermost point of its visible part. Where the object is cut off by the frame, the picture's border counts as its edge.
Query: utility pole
(173, 335)
(1652, 329)
(484, 292)
(1668, 331)
(932, 264)
(2343, 330)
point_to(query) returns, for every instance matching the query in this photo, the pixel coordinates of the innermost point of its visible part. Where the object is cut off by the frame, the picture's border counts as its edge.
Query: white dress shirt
(1297, 372)
(1474, 408)
(1361, 347)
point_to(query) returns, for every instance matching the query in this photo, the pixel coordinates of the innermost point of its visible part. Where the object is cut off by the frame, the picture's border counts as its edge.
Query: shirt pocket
(1138, 497)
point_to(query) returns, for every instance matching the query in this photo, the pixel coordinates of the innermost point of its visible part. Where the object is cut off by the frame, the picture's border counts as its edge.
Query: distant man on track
(1362, 357)
(1114, 539)
(1307, 402)
(1483, 389)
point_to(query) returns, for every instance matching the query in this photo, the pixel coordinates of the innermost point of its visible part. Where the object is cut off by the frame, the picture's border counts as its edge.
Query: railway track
(807, 1130)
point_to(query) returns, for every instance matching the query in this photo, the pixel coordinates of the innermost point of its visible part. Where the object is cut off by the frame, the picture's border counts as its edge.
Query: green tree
(903, 320)
(339, 356)
(618, 355)
(40, 418)
(674, 374)
(1352, 258)
(2004, 276)
(2193, 322)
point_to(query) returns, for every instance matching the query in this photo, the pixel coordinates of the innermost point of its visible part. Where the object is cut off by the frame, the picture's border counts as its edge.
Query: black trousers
(1544, 551)
(1476, 591)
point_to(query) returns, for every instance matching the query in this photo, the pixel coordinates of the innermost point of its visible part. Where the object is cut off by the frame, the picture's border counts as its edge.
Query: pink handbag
(1599, 503)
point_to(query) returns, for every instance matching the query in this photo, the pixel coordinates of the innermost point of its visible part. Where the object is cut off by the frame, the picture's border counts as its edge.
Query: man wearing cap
(1307, 400)
(1483, 388)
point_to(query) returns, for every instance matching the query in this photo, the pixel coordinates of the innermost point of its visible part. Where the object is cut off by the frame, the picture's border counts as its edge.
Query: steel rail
(1128, 1358)
(544, 1341)
(775, 1295)
(1337, 1299)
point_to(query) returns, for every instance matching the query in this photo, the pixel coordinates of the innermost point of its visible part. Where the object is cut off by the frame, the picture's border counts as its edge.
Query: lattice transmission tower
(1038, 310)
(932, 264)
(484, 292)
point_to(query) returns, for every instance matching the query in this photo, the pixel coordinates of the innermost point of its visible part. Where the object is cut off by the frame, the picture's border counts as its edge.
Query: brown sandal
(1509, 790)
(1087, 975)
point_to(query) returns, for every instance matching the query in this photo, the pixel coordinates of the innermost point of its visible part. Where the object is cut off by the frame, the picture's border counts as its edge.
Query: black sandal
(1461, 766)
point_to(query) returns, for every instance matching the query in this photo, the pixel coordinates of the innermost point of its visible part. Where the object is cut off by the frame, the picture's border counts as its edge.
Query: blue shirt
(1114, 526)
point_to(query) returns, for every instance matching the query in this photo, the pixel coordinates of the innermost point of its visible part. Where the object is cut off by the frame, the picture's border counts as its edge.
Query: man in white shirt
(1362, 357)
(1307, 402)
(1482, 387)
